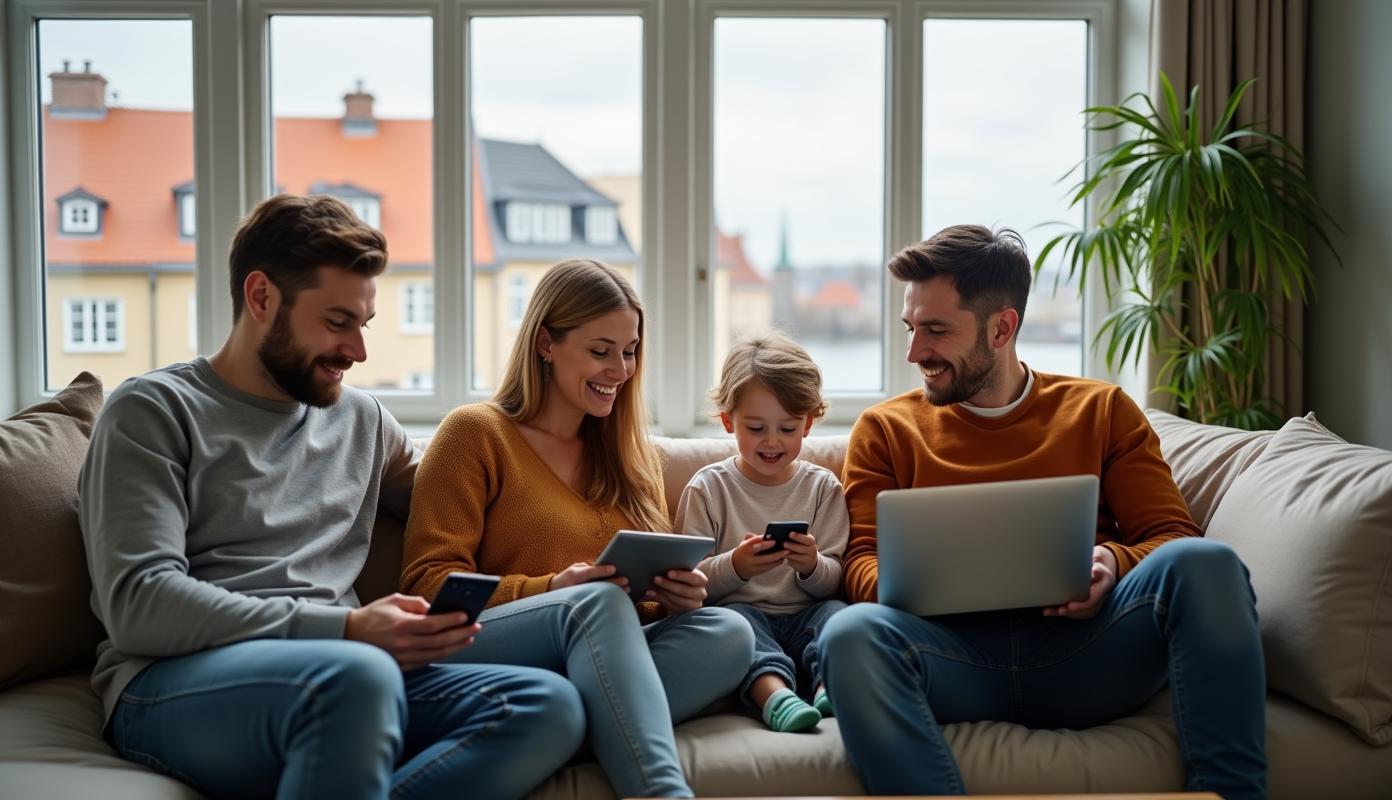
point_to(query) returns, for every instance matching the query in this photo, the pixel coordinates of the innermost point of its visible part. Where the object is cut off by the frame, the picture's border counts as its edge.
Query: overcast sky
(799, 107)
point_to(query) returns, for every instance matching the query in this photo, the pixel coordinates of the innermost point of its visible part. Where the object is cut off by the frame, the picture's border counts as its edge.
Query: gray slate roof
(529, 173)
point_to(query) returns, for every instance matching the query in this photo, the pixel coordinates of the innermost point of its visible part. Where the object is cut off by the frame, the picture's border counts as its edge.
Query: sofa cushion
(51, 747)
(735, 755)
(48, 623)
(1205, 459)
(1312, 519)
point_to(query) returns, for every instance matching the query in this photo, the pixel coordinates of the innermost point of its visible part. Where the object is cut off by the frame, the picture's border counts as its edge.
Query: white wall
(1349, 149)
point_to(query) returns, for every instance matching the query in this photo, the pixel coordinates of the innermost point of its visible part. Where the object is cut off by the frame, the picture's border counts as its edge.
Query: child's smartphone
(779, 532)
(465, 591)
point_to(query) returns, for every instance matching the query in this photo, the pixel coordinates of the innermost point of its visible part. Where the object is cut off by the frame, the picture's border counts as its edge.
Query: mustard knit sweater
(485, 502)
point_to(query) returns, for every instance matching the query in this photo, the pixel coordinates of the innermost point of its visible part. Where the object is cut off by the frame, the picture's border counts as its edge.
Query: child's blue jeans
(783, 642)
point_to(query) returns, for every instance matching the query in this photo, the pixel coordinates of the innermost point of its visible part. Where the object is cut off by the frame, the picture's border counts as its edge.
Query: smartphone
(465, 591)
(778, 532)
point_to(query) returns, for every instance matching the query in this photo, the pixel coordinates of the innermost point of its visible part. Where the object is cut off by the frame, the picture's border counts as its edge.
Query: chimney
(78, 95)
(357, 113)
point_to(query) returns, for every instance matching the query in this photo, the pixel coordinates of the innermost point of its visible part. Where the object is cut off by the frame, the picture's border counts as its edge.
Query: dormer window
(187, 209)
(601, 225)
(542, 223)
(80, 213)
(368, 209)
(366, 204)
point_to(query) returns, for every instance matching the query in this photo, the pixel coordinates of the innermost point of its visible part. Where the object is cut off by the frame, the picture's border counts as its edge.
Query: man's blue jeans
(338, 719)
(635, 680)
(1184, 616)
(785, 642)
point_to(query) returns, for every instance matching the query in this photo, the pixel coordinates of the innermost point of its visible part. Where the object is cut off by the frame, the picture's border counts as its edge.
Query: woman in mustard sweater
(531, 486)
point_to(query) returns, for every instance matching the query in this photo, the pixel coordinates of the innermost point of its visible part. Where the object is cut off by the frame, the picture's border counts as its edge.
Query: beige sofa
(1311, 516)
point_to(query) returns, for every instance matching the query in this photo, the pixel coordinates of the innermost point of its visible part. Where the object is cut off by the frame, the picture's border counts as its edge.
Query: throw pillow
(1312, 519)
(1205, 459)
(48, 623)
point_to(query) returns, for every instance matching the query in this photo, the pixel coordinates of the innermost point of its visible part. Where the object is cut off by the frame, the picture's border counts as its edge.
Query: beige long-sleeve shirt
(722, 503)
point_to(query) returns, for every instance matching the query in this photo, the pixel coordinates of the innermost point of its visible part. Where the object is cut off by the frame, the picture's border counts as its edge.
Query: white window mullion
(96, 328)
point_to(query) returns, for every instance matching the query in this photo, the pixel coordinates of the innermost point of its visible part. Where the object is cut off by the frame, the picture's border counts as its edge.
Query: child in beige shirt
(769, 396)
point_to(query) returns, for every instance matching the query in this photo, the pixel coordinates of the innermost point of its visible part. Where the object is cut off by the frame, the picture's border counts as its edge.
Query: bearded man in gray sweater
(227, 506)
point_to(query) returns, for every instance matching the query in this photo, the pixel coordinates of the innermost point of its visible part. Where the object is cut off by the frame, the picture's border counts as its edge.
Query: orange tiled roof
(836, 294)
(134, 158)
(730, 255)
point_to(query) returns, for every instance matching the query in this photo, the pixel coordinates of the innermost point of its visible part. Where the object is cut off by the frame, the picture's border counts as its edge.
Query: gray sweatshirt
(211, 516)
(722, 503)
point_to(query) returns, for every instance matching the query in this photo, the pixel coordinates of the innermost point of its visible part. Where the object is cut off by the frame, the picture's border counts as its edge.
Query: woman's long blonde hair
(621, 469)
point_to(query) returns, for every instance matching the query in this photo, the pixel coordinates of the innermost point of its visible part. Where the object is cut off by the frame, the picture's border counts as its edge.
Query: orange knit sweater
(1066, 426)
(485, 502)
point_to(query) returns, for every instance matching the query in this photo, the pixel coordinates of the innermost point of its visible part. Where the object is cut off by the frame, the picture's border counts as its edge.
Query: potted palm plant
(1196, 229)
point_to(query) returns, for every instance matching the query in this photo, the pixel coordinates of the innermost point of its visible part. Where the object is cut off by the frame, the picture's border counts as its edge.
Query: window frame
(216, 104)
(188, 215)
(233, 168)
(95, 315)
(608, 217)
(367, 209)
(515, 315)
(412, 306)
(69, 227)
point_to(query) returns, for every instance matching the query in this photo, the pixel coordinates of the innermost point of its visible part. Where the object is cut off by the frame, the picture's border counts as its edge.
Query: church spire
(784, 263)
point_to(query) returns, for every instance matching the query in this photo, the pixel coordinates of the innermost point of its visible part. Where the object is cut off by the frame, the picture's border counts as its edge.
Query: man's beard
(292, 368)
(969, 377)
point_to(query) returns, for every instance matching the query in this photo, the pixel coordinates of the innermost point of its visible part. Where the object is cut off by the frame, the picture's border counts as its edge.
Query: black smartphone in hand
(465, 591)
(779, 532)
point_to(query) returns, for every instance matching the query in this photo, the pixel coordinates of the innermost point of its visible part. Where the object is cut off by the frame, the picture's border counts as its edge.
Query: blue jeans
(1185, 615)
(635, 680)
(337, 719)
(785, 642)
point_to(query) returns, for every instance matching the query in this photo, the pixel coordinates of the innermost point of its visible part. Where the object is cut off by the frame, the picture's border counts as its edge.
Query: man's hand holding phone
(402, 625)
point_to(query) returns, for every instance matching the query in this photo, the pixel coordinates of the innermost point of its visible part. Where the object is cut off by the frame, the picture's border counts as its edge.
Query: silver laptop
(987, 546)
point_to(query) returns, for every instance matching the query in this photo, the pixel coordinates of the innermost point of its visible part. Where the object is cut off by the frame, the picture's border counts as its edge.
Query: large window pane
(557, 154)
(1002, 123)
(799, 186)
(353, 104)
(116, 130)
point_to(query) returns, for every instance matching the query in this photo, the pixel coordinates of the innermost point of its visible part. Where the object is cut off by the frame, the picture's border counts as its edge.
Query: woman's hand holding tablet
(641, 555)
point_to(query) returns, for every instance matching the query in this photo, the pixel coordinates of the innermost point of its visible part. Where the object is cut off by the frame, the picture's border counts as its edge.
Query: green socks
(821, 702)
(786, 713)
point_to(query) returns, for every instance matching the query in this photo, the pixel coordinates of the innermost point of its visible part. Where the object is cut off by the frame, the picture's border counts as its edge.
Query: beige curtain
(1217, 44)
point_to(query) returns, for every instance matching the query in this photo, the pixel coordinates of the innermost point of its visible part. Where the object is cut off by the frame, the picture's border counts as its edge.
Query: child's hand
(751, 557)
(802, 553)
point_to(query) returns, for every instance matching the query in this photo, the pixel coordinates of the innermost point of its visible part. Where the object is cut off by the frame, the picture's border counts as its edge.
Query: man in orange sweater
(1165, 605)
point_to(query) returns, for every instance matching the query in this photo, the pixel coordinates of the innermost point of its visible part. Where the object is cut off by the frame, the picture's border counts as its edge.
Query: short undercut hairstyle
(778, 364)
(289, 237)
(989, 269)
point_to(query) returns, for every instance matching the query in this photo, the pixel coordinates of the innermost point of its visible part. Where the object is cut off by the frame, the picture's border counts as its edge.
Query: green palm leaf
(1199, 224)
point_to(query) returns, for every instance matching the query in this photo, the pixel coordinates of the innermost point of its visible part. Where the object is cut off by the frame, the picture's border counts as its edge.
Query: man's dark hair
(989, 269)
(289, 237)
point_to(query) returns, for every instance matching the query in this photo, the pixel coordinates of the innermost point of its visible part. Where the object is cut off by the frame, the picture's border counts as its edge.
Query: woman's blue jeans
(635, 680)
(1185, 616)
(338, 719)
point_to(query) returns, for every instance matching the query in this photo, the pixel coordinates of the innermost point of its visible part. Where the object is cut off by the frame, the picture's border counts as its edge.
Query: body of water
(853, 365)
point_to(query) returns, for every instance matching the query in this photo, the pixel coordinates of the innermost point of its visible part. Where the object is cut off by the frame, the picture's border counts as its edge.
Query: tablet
(639, 555)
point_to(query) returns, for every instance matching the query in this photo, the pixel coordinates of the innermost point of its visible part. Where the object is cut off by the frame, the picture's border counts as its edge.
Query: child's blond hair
(780, 365)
